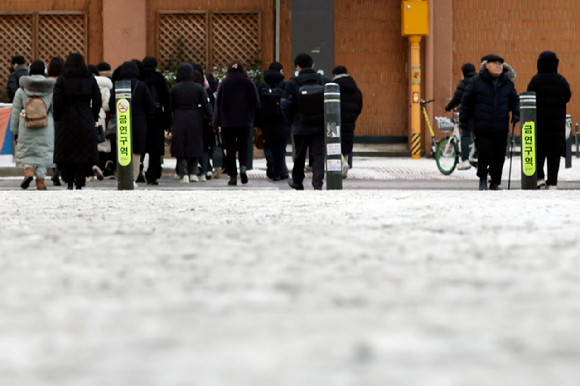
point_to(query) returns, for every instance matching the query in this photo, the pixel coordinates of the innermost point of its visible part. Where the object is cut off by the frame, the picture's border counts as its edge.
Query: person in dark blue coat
(489, 99)
(552, 93)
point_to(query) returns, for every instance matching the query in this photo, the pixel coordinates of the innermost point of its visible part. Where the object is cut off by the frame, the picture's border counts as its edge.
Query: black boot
(483, 184)
(493, 186)
(243, 175)
(233, 181)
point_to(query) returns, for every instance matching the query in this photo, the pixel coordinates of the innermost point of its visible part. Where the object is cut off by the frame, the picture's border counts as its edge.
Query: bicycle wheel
(447, 156)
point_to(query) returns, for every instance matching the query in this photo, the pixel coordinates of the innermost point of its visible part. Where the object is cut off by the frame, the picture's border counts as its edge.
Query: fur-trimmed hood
(507, 69)
(37, 85)
(104, 82)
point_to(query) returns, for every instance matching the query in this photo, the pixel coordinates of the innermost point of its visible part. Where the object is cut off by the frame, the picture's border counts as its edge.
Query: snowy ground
(289, 288)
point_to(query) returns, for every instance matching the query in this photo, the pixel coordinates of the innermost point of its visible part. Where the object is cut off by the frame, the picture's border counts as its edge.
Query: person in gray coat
(35, 146)
(189, 103)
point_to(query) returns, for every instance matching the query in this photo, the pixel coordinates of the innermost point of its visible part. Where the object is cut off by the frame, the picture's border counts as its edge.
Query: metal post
(124, 137)
(333, 142)
(528, 122)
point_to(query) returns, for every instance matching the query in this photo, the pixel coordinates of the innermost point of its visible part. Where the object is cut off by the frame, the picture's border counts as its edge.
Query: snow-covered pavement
(268, 287)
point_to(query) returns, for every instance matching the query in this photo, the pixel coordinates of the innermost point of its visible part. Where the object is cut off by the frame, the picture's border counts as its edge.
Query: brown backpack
(36, 113)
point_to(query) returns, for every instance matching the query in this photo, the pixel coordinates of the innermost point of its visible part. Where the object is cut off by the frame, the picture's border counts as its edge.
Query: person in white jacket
(105, 86)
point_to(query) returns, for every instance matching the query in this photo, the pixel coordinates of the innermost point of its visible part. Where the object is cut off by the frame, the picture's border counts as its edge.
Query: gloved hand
(15, 138)
(515, 119)
(447, 109)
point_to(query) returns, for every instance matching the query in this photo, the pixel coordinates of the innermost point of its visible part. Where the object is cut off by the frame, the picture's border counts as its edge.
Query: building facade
(366, 38)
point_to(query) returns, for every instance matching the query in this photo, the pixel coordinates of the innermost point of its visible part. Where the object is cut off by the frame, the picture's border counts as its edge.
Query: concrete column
(439, 83)
(124, 31)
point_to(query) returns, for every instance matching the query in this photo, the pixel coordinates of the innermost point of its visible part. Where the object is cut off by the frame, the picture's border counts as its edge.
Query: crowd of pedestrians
(72, 109)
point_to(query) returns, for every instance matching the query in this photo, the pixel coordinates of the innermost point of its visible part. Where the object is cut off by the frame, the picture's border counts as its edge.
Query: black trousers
(491, 149)
(75, 173)
(275, 153)
(316, 144)
(236, 139)
(154, 170)
(553, 168)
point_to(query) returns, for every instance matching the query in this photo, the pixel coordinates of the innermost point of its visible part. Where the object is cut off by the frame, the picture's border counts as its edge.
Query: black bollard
(124, 137)
(528, 122)
(333, 142)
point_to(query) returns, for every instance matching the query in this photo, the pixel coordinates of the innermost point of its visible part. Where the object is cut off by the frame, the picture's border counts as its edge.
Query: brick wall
(519, 31)
(267, 14)
(369, 43)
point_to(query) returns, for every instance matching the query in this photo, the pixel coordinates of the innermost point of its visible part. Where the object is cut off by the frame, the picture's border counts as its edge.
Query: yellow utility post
(415, 25)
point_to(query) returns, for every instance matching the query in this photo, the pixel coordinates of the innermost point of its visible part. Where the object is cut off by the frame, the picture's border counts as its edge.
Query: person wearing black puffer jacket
(552, 93)
(488, 100)
(270, 119)
(351, 104)
(468, 71)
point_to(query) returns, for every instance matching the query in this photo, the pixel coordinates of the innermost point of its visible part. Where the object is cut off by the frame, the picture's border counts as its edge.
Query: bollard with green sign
(124, 137)
(333, 141)
(528, 122)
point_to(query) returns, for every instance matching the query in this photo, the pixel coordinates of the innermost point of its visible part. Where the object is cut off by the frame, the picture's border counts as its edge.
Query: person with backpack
(77, 103)
(235, 107)
(272, 122)
(303, 105)
(351, 105)
(159, 121)
(32, 124)
(552, 93)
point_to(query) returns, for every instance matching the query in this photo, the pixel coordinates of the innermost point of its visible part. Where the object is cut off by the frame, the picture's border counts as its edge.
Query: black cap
(494, 58)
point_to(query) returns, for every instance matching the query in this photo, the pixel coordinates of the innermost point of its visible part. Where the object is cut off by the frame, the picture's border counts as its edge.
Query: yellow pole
(415, 137)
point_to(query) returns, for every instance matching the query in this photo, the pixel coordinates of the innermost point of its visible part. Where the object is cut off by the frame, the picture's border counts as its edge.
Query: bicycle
(447, 151)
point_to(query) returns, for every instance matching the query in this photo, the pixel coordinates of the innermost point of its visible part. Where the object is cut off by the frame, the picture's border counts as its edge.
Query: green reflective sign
(124, 132)
(529, 148)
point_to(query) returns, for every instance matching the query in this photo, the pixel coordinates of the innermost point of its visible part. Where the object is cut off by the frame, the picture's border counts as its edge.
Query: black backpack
(270, 98)
(311, 101)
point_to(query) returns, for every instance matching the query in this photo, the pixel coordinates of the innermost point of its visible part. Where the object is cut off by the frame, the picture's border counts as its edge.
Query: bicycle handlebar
(424, 102)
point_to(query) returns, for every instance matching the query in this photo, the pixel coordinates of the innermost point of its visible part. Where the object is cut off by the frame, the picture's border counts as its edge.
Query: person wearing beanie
(488, 100)
(468, 71)
(552, 94)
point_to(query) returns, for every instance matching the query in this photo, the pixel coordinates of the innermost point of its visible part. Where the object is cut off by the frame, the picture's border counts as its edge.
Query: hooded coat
(141, 105)
(77, 102)
(489, 105)
(236, 101)
(13, 81)
(160, 120)
(273, 128)
(456, 100)
(35, 145)
(189, 103)
(552, 94)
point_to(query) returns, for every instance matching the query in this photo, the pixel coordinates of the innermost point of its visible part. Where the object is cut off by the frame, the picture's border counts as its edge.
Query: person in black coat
(159, 121)
(488, 100)
(208, 131)
(468, 71)
(77, 102)
(235, 108)
(20, 70)
(189, 104)
(552, 94)
(273, 124)
(141, 106)
(351, 105)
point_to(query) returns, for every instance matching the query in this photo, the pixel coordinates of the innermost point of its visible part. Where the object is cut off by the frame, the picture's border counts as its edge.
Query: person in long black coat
(141, 107)
(189, 104)
(235, 108)
(552, 94)
(351, 105)
(77, 102)
(160, 119)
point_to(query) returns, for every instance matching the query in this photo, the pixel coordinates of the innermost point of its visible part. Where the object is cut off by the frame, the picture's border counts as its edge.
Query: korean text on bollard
(332, 127)
(124, 137)
(528, 122)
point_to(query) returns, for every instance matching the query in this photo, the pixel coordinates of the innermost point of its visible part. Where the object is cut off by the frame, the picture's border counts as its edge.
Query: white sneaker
(184, 180)
(345, 166)
(202, 178)
(542, 184)
(464, 165)
(193, 178)
(551, 187)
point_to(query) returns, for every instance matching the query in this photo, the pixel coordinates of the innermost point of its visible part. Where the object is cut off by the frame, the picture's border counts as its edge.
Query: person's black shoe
(70, 186)
(494, 187)
(294, 185)
(56, 181)
(152, 183)
(233, 181)
(483, 184)
(243, 175)
(141, 178)
(284, 177)
(276, 179)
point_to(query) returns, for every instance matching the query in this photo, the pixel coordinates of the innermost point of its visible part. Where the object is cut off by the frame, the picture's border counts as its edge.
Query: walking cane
(511, 155)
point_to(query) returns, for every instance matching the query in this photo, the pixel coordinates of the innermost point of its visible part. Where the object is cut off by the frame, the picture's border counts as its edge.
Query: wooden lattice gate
(40, 35)
(208, 38)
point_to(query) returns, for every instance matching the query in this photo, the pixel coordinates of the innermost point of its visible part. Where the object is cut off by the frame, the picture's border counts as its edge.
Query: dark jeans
(75, 173)
(154, 170)
(465, 143)
(187, 166)
(491, 149)
(275, 153)
(236, 139)
(316, 144)
(553, 168)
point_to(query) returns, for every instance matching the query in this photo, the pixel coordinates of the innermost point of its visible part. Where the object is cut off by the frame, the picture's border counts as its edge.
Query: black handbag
(100, 134)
